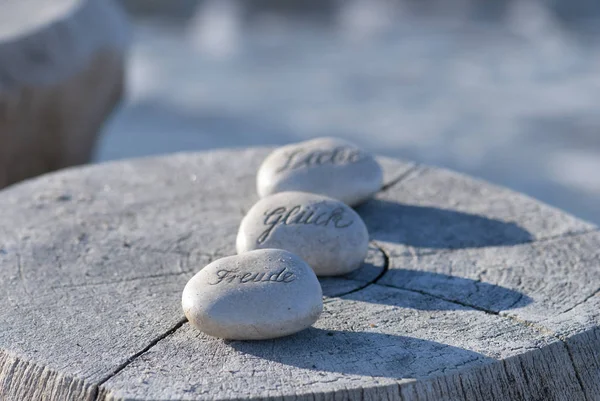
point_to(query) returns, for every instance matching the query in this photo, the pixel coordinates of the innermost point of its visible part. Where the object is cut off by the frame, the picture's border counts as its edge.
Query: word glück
(299, 215)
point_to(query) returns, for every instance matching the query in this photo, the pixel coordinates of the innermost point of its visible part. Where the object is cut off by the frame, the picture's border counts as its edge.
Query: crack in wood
(119, 281)
(21, 274)
(400, 178)
(452, 301)
(386, 262)
(593, 294)
(569, 234)
(577, 374)
(429, 252)
(519, 298)
(135, 356)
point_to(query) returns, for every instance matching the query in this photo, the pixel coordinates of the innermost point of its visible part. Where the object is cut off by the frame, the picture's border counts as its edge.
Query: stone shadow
(432, 227)
(435, 291)
(361, 353)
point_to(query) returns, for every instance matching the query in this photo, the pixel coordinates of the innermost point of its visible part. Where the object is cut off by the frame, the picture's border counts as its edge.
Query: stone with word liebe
(327, 166)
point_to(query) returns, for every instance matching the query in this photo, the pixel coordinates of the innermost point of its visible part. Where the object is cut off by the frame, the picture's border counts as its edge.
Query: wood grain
(94, 260)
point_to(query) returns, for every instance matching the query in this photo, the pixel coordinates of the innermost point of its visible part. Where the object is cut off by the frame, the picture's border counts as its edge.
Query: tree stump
(61, 74)
(470, 291)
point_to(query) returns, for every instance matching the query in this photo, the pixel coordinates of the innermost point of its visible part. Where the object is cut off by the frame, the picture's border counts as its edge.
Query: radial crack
(135, 356)
(386, 261)
(400, 178)
(593, 294)
(120, 281)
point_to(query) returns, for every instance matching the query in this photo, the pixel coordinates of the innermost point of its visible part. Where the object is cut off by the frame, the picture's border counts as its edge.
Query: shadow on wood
(315, 349)
(458, 291)
(432, 227)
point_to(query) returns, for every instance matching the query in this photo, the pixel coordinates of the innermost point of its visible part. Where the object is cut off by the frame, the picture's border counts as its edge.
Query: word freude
(340, 155)
(298, 214)
(230, 276)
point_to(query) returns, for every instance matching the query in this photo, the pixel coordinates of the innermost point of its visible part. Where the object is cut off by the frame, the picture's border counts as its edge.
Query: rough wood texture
(470, 292)
(61, 74)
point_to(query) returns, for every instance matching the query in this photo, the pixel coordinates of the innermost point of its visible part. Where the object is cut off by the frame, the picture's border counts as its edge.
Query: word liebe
(296, 215)
(340, 155)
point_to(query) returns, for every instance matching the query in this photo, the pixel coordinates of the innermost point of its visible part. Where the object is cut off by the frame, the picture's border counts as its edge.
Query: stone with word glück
(326, 166)
(329, 235)
(262, 294)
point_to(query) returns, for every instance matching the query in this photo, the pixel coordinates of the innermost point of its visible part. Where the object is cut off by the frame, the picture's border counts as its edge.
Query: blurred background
(505, 90)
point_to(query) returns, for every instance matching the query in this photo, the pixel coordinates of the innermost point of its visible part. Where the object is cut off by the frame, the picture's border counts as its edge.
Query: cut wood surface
(469, 292)
(61, 74)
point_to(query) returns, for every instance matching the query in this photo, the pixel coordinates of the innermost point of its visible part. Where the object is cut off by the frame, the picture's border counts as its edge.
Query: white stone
(326, 233)
(326, 166)
(262, 294)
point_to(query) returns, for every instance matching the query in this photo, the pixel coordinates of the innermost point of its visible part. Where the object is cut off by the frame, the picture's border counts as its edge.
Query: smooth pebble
(262, 294)
(326, 166)
(326, 233)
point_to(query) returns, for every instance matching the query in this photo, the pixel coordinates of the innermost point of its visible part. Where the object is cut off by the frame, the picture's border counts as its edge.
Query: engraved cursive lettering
(224, 275)
(338, 156)
(299, 215)
(229, 276)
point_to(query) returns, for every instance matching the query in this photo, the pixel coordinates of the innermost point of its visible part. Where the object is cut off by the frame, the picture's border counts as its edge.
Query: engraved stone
(326, 166)
(326, 233)
(262, 294)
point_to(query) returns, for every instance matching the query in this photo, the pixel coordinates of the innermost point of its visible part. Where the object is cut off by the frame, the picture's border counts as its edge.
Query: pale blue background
(509, 93)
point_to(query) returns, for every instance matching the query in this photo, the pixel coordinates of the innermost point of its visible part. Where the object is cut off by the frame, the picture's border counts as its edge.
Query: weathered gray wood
(61, 74)
(373, 337)
(530, 282)
(94, 259)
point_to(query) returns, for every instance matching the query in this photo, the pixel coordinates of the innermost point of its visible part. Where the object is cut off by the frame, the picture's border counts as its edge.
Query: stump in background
(61, 74)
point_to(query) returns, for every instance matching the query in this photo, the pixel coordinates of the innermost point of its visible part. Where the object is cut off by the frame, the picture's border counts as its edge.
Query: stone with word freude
(328, 234)
(262, 294)
(326, 166)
